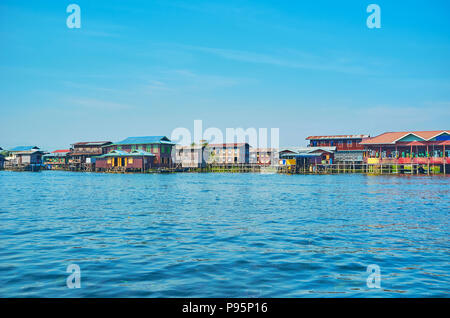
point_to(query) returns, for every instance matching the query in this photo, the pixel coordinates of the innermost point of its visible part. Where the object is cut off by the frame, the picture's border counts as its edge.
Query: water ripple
(223, 235)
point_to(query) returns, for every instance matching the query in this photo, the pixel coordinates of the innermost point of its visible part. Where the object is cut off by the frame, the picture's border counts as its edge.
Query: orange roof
(392, 137)
(338, 137)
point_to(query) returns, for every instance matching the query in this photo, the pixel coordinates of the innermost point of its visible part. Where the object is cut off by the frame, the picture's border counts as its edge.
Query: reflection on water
(223, 235)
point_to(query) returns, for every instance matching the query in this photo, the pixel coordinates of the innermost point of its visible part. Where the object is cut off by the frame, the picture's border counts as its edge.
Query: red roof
(337, 137)
(393, 137)
(61, 151)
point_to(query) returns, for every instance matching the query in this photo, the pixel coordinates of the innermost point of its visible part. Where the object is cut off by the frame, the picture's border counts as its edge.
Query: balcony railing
(417, 160)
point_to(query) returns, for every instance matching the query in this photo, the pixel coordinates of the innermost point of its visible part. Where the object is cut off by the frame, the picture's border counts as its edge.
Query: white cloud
(97, 104)
(290, 59)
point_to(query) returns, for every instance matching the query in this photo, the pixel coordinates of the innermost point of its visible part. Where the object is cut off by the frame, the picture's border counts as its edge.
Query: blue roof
(24, 148)
(145, 140)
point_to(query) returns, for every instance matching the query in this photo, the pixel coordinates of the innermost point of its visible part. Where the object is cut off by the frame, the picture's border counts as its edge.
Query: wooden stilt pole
(444, 159)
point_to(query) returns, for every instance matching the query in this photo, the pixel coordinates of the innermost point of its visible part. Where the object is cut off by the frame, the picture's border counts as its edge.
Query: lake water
(223, 235)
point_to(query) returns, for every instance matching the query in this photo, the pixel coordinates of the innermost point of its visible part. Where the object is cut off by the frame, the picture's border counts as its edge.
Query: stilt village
(407, 152)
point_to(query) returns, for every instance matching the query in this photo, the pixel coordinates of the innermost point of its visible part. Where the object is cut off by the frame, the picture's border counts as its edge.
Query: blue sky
(146, 67)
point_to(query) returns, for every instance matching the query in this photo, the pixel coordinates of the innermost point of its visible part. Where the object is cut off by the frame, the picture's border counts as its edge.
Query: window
(155, 148)
(349, 143)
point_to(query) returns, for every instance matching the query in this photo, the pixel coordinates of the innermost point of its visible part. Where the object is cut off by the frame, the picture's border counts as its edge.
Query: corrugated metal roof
(121, 153)
(56, 154)
(24, 148)
(291, 149)
(91, 143)
(29, 152)
(423, 143)
(193, 147)
(338, 137)
(85, 153)
(139, 152)
(393, 137)
(305, 150)
(327, 149)
(227, 145)
(300, 155)
(262, 149)
(145, 140)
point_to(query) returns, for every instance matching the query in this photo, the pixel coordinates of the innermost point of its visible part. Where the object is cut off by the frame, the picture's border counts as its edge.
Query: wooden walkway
(337, 168)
